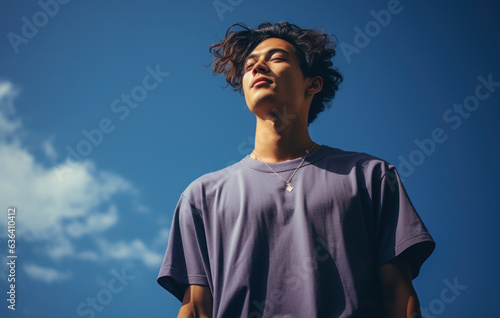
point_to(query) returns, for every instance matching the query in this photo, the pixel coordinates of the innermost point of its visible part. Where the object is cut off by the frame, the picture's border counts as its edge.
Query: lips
(261, 80)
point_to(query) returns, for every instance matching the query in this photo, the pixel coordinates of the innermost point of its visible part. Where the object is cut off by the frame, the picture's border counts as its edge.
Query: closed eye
(277, 57)
(248, 67)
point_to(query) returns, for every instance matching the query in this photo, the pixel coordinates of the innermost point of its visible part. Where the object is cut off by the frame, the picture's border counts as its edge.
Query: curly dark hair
(314, 49)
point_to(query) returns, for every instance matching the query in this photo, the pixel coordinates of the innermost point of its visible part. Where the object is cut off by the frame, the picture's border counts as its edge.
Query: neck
(281, 139)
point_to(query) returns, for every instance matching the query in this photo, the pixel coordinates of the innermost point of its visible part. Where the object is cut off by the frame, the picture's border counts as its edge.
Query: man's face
(273, 79)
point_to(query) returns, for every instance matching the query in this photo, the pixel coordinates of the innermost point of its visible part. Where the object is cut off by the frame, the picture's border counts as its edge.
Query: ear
(315, 85)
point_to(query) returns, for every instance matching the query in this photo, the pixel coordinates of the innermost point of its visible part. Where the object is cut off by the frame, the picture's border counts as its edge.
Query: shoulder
(355, 162)
(208, 184)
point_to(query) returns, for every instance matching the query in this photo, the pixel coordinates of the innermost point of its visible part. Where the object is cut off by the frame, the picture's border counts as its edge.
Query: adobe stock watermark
(116, 284)
(448, 295)
(223, 6)
(30, 27)
(454, 117)
(121, 107)
(364, 36)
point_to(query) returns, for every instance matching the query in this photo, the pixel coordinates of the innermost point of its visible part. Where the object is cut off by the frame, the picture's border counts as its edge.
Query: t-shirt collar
(285, 165)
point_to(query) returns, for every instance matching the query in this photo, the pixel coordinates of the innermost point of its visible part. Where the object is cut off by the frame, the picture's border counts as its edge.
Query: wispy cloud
(96, 222)
(8, 125)
(49, 206)
(48, 149)
(46, 274)
(162, 237)
(58, 215)
(135, 249)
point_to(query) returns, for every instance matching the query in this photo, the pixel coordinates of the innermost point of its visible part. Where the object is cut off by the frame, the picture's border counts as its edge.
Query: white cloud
(162, 237)
(131, 250)
(58, 214)
(94, 223)
(61, 246)
(46, 274)
(7, 95)
(141, 208)
(48, 208)
(47, 205)
(48, 149)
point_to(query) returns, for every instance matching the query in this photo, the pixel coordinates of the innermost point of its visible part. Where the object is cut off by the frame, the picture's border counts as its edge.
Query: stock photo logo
(363, 37)
(223, 6)
(31, 26)
(104, 296)
(454, 117)
(447, 296)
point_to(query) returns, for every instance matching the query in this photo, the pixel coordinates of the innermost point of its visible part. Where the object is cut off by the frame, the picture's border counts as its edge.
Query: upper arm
(399, 296)
(197, 302)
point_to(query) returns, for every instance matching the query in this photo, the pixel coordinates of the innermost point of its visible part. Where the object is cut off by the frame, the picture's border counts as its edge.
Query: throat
(281, 141)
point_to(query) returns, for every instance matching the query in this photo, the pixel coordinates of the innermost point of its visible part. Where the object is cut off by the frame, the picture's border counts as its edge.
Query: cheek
(244, 81)
(291, 81)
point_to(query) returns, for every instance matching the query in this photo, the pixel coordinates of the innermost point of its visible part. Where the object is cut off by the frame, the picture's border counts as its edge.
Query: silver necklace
(289, 186)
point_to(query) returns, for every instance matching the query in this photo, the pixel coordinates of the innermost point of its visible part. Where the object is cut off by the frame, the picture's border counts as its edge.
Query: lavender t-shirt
(312, 252)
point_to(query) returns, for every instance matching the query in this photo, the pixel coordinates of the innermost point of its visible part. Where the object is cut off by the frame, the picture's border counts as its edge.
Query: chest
(322, 203)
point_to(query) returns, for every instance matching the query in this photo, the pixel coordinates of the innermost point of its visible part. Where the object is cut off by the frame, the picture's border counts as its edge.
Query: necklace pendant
(289, 187)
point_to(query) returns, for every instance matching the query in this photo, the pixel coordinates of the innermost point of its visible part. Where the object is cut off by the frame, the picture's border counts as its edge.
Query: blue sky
(107, 113)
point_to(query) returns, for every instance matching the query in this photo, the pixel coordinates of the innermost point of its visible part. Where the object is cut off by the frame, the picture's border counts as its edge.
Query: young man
(294, 229)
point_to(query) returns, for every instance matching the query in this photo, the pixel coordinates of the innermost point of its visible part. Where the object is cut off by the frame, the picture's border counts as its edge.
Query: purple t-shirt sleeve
(185, 262)
(399, 227)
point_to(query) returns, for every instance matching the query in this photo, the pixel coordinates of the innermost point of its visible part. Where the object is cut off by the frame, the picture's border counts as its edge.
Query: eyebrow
(270, 51)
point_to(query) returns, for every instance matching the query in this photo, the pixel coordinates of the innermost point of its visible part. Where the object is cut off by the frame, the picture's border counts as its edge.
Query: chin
(264, 99)
(267, 103)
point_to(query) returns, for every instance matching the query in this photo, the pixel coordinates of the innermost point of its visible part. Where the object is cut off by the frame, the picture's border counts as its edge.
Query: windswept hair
(314, 50)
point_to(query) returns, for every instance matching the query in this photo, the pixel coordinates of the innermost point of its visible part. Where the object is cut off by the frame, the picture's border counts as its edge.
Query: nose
(260, 67)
